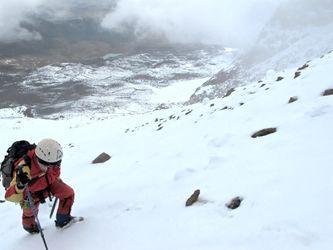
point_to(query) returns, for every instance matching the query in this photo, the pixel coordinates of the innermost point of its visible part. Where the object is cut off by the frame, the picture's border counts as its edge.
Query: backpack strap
(27, 160)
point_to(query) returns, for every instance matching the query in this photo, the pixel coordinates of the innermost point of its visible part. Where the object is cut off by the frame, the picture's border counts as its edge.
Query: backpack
(18, 150)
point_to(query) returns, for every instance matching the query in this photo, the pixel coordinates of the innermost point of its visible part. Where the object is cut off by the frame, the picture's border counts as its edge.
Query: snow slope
(300, 30)
(137, 199)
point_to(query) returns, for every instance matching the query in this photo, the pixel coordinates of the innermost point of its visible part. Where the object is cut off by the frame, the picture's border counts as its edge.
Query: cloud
(228, 22)
(234, 23)
(12, 13)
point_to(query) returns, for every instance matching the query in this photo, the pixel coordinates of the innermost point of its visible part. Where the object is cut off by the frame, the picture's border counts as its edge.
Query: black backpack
(15, 152)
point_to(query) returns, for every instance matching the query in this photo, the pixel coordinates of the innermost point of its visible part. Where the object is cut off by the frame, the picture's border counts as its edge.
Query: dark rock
(229, 92)
(212, 105)
(234, 203)
(193, 198)
(103, 157)
(303, 67)
(292, 99)
(328, 92)
(297, 74)
(162, 106)
(172, 117)
(28, 113)
(262, 85)
(241, 103)
(279, 78)
(188, 112)
(2, 201)
(219, 84)
(264, 132)
(159, 128)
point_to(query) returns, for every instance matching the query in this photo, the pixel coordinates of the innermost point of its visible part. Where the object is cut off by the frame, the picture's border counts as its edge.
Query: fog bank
(230, 22)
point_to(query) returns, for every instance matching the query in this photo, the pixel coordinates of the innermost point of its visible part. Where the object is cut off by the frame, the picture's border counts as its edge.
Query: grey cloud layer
(228, 22)
(14, 12)
(211, 21)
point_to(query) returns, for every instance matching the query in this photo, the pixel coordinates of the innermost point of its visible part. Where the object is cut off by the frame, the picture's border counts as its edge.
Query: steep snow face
(298, 32)
(136, 200)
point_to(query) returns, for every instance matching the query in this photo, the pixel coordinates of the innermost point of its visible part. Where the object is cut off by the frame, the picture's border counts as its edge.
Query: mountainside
(79, 66)
(298, 32)
(136, 200)
(113, 83)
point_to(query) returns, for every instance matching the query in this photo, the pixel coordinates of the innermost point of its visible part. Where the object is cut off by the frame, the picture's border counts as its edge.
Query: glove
(23, 177)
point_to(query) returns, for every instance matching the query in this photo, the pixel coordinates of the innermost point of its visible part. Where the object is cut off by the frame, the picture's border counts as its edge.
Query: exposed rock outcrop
(293, 99)
(264, 132)
(218, 85)
(234, 203)
(297, 74)
(103, 157)
(193, 198)
(328, 92)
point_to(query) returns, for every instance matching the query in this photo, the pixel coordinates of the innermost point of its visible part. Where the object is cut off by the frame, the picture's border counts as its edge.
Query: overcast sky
(209, 21)
(11, 14)
(228, 22)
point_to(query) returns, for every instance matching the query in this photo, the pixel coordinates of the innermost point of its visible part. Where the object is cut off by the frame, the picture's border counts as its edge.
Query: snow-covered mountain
(115, 83)
(136, 200)
(297, 32)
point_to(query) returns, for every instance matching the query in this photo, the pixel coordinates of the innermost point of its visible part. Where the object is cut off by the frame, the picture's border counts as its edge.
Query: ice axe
(53, 207)
(34, 211)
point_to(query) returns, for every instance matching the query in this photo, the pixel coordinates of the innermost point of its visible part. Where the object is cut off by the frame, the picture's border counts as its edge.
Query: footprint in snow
(215, 162)
(220, 141)
(319, 111)
(183, 174)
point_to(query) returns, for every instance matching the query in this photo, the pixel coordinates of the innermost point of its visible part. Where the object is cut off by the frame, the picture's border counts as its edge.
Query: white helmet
(49, 151)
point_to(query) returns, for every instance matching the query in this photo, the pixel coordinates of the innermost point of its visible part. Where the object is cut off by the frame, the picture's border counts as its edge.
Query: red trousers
(58, 189)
